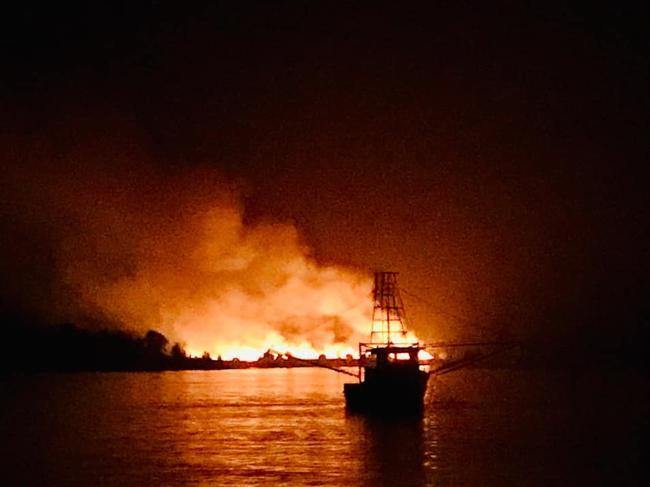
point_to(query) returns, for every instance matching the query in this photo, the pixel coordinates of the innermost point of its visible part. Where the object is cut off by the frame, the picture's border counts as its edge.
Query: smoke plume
(109, 241)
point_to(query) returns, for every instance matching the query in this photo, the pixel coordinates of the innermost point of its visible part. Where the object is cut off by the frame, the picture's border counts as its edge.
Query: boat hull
(388, 396)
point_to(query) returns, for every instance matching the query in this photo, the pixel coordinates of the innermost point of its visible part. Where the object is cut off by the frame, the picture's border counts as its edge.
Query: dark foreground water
(289, 427)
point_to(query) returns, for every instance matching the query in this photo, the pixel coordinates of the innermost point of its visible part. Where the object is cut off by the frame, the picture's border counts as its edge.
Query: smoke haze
(218, 160)
(127, 244)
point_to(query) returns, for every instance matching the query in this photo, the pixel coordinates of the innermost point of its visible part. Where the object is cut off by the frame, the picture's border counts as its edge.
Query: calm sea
(289, 427)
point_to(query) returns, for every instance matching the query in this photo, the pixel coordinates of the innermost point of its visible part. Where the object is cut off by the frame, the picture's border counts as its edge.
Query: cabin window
(398, 357)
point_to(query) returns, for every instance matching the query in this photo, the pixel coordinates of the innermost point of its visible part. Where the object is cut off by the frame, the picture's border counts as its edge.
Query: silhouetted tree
(155, 342)
(178, 352)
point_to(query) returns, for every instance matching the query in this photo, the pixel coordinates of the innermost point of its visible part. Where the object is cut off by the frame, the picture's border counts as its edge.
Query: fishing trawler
(391, 379)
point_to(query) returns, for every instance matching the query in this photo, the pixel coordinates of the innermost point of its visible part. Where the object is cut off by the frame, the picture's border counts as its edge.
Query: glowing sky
(495, 157)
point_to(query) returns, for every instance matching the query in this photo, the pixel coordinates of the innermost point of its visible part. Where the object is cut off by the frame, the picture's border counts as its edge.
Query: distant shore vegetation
(29, 347)
(68, 347)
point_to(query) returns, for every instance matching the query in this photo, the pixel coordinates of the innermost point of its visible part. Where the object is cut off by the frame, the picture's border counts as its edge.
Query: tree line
(67, 347)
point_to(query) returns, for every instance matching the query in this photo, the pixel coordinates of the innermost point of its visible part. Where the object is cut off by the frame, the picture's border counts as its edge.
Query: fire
(315, 311)
(301, 350)
(174, 254)
(251, 348)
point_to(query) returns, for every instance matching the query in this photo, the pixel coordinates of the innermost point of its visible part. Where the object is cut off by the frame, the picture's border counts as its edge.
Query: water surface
(289, 427)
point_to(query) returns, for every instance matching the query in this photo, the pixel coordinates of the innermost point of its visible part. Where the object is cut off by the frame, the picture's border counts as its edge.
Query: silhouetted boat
(390, 377)
(391, 382)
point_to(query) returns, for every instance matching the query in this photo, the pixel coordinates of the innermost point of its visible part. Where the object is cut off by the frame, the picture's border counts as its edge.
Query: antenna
(388, 317)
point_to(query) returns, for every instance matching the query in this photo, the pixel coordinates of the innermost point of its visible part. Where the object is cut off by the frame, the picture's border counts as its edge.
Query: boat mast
(388, 310)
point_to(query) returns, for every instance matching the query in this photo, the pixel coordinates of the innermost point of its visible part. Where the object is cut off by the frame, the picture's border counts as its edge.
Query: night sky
(494, 154)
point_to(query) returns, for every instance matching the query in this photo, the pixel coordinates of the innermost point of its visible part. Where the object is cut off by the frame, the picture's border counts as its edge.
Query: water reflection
(289, 427)
(391, 450)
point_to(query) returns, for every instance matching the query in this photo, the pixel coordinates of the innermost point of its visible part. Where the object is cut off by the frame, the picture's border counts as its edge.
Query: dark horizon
(495, 156)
